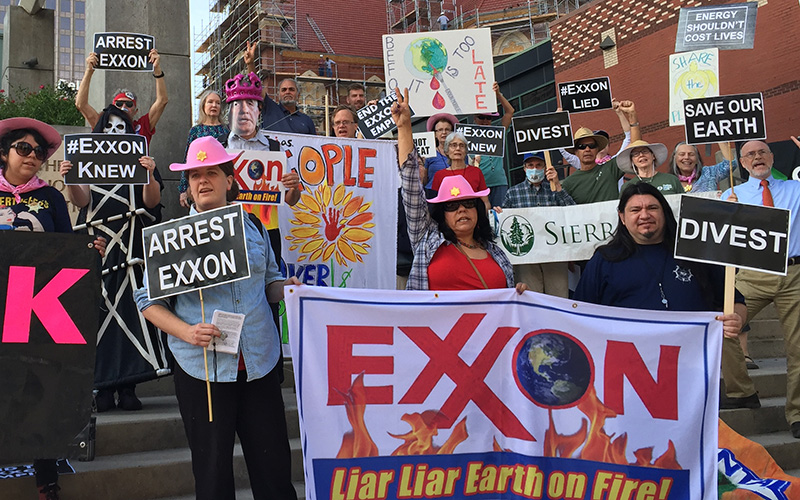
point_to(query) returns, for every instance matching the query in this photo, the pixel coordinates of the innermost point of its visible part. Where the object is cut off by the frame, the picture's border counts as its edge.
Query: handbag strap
(473, 265)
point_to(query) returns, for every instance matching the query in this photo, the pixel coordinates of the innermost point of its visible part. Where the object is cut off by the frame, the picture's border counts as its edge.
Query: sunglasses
(24, 149)
(452, 206)
(590, 145)
(125, 104)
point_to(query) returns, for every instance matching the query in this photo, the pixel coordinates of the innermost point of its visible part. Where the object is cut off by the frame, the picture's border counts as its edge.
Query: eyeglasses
(452, 206)
(343, 122)
(752, 154)
(124, 104)
(640, 152)
(586, 145)
(457, 145)
(24, 149)
(443, 130)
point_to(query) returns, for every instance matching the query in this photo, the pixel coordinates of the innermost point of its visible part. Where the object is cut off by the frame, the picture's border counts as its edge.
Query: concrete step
(782, 446)
(245, 494)
(770, 377)
(747, 422)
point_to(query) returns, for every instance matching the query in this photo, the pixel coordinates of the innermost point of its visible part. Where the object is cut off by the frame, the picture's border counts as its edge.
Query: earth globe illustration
(426, 57)
(552, 368)
(255, 170)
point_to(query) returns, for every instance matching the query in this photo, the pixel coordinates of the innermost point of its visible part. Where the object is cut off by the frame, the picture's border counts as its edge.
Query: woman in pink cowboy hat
(246, 393)
(453, 247)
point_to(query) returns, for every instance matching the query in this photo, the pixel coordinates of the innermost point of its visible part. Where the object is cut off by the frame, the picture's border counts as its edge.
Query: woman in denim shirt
(245, 390)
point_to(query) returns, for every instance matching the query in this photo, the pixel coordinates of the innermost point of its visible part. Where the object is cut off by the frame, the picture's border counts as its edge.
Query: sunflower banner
(343, 231)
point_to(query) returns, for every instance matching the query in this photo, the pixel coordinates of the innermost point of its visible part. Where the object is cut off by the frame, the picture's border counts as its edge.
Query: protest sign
(123, 51)
(425, 142)
(445, 71)
(105, 159)
(725, 118)
(490, 394)
(726, 27)
(195, 252)
(484, 140)
(538, 235)
(258, 174)
(542, 132)
(585, 95)
(49, 315)
(343, 230)
(691, 75)
(733, 234)
(375, 120)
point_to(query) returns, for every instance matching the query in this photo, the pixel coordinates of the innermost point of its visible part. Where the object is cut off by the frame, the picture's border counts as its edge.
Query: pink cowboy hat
(433, 120)
(49, 134)
(205, 152)
(456, 187)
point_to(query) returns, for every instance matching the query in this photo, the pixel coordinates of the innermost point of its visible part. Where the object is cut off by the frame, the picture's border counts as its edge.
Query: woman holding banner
(28, 203)
(119, 212)
(455, 233)
(688, 167)
(245, 391)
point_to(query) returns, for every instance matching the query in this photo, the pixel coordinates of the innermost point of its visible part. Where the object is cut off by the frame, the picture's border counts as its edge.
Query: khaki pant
(759, 289)
(550, 278)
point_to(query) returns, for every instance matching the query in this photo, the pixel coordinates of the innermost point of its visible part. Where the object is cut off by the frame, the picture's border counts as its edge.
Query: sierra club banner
(491, 394)
(561, 234)
(343, 231)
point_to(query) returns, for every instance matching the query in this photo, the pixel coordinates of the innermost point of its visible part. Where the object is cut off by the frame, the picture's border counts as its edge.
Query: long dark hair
(622, 244)
(481, 233)
(100, 126)
(13, 136)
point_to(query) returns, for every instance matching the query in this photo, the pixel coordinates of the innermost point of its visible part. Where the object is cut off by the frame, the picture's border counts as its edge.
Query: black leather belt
(793, 260)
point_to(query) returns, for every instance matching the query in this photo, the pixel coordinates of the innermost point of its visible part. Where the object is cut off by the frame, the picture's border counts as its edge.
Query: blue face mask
(534, 175)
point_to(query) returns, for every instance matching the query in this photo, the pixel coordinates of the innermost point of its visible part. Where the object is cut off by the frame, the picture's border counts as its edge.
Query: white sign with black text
(542, 132)
(425, 142)
(194, 252)
(725, 118)
(486, 140)
(585, 95)
(124, 51)
(105, 159)
(733, 234)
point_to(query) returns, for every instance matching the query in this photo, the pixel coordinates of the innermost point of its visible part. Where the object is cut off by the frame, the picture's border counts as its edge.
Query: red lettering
(660, 396)
(479, 72)
(332, 154)
(348, 180)
(473, 58)
(363, 170)
(21, 302)
(479, 101)
(342, 365)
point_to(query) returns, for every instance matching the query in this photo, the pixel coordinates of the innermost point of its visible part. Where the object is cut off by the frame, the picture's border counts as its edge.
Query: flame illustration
(331, 224)
(597, 445)
(418, 441)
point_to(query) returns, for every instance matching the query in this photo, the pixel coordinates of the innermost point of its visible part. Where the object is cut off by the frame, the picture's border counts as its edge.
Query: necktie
(766, 194)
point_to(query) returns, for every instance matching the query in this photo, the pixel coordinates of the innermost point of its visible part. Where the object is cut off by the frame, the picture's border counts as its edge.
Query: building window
(64, 23)
(63, 58)
(79, 42)
(51, 4)
(80, 7)
(64, 41)
(80, 25)
(65, 5)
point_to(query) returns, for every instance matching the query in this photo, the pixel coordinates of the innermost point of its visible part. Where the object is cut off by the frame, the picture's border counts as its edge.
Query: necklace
(660, 278)
(476, 245)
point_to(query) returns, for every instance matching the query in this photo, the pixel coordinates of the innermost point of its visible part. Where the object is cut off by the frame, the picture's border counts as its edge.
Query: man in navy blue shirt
(637, 269)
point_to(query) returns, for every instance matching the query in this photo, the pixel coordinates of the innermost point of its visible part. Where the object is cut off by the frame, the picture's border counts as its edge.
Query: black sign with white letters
(733, 234)
(194, 252)
(542, 132)
(374, 120)
(485, 140)
(123, 51)
(105, 159)
(726, 27)
(725, 118)
(585, 95)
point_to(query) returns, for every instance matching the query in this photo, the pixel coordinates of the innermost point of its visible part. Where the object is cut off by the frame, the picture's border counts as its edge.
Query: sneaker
(751, 365)
(752, 402)
(795, 429)
(104, 400)
(128, 400)
(49, 492)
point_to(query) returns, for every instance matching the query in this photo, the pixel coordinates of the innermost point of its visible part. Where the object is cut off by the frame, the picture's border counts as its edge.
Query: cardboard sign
(725, 118)
(585, 95)
(49, 315)
(123, 51)
(374, 120)
(444, 71)
(542, 132)
(105, 159)
(259, 174)
(733, 234)
(484, 140)
(726, 27)
(691, 75)
(425, 142)
(194, 252)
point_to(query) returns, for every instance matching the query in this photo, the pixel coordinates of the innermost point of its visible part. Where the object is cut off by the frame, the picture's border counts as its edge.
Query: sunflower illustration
(331, 224)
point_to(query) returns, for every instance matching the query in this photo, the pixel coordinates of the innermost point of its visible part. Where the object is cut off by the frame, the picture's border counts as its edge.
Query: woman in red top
(455, 147)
